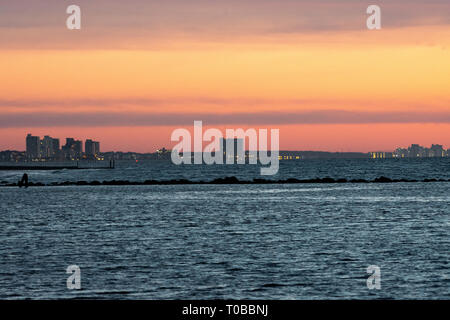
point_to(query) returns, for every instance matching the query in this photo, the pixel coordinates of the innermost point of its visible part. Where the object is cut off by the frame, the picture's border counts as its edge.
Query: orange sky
(336, 89)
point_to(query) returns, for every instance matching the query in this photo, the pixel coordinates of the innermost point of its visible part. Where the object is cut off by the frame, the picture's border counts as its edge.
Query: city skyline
(48, 146)
(150, 145)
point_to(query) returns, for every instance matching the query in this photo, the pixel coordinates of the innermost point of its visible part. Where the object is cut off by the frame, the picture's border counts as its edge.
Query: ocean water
(369, 169)
(309, 241)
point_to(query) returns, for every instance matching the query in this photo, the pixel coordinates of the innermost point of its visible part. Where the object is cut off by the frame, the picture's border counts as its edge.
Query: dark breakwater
(226, 180)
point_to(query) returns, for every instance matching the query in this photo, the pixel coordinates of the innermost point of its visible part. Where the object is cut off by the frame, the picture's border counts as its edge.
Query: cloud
(216, 105)
(139, 119)
(136, 23)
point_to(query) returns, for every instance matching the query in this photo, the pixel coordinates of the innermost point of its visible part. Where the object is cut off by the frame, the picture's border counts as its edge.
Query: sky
(139, 69)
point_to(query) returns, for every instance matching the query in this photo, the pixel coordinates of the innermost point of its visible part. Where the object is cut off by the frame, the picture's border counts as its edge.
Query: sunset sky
(139, 69)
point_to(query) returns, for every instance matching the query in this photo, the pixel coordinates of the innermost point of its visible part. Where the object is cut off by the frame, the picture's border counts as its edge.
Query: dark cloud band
(108, 119)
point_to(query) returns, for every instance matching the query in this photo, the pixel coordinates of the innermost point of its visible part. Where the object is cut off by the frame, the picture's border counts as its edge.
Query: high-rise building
(67, 149)
(55, 143)
(96, 148)
(91, 148)
(49, 147)
(33, 146)
(78, 147)
(73, 149)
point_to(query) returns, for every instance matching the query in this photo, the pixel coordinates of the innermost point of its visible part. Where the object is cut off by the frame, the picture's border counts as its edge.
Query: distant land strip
(227, 180)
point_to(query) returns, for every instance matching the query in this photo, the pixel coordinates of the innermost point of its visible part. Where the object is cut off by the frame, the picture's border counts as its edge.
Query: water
(311, 241)
(369, 169)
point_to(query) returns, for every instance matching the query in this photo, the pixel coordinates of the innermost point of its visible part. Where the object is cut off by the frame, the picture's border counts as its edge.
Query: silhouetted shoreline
(227, 180)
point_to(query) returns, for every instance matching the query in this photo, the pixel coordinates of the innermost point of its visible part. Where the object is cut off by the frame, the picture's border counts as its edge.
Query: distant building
(49, 147)
(96, 145)
(163, 154)
(78, 148)
(380, 155)
(416, 151)
(67, 149)
(437, 151)
(12, 156)
(162, 151)
(73, 149)
(232, 150)
(400, 153)
(55, 143)
(91, 148)
(33, 147)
